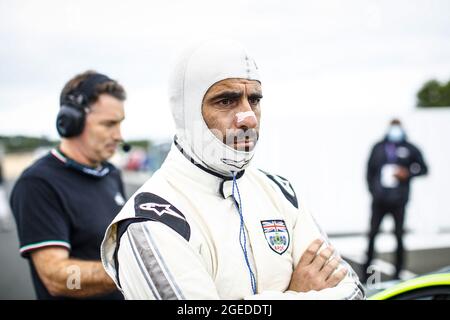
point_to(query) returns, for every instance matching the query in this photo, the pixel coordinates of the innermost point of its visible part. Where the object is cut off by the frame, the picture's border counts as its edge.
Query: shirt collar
(99, 172)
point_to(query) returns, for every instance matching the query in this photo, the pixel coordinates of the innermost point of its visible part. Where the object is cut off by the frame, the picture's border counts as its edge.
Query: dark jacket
(406, 155)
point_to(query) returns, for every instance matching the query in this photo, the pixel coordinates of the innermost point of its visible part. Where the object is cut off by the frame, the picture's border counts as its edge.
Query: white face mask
(196, 72)
(395, 133)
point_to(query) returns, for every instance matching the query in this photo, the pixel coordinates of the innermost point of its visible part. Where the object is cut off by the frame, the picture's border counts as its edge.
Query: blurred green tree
(27, 143)
(434, 94)
(24, 143)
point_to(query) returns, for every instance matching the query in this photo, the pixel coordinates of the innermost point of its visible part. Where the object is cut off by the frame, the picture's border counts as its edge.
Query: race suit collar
(195, 171)
(192, 160)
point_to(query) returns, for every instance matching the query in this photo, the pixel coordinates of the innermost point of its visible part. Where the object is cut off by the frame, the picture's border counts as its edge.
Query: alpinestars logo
(160, 209)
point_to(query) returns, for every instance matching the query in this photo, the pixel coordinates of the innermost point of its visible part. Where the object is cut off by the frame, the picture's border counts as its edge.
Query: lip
(111, 146)
(247, 144)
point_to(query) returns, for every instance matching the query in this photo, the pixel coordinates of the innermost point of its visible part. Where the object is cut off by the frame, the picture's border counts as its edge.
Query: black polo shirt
(57, 202)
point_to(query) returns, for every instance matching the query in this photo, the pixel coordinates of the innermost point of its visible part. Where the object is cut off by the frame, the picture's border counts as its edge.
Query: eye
(225, 102)
(254, 101)
(109, 124)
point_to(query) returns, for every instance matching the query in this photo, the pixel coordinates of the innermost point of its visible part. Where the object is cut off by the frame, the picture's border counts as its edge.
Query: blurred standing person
(393, 162)
(65, 200)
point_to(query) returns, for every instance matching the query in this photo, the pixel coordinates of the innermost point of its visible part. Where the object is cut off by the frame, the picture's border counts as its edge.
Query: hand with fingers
(316, 270)
(402, 174)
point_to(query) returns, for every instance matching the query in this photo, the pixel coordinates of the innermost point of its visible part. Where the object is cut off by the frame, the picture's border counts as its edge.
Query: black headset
(75, 104)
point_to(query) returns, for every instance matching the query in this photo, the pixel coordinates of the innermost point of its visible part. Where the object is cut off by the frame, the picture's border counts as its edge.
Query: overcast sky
(326, 57)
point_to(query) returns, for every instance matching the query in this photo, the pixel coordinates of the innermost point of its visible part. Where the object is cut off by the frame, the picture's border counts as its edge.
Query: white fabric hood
(197, 70)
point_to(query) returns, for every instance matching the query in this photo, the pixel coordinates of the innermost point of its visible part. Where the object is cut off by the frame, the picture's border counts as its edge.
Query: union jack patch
(277, 235)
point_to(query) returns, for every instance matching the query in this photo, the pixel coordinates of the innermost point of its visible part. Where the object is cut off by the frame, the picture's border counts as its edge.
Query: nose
(117, 134)
(246, 118)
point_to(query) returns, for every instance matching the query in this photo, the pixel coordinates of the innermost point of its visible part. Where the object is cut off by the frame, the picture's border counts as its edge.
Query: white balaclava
(197, 70)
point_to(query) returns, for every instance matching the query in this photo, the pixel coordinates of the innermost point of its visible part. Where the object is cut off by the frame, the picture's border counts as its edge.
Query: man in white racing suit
(207, 225)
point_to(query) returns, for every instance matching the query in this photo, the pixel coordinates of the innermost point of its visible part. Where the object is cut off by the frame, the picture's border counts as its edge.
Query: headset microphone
(126, 147)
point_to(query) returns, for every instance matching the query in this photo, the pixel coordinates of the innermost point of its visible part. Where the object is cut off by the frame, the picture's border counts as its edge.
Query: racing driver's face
(231, 110)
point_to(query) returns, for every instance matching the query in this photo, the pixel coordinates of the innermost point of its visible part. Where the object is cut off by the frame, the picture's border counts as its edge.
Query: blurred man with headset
(64, 202)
